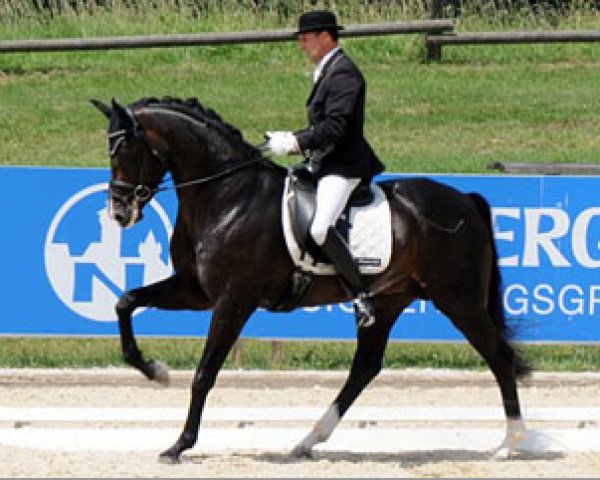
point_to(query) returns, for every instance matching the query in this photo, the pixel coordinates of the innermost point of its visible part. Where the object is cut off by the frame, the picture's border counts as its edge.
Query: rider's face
(314, 44)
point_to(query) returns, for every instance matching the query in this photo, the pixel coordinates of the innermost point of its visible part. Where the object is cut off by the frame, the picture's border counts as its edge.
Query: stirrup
(364, 311)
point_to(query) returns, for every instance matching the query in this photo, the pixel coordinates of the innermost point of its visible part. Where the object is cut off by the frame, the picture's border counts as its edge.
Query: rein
(211, 178)
(225, 173)
(144, 192)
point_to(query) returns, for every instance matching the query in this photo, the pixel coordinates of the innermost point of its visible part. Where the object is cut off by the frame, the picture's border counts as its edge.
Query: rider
(339, 157)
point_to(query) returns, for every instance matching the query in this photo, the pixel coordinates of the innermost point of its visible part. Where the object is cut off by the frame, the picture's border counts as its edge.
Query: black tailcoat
(335, 139)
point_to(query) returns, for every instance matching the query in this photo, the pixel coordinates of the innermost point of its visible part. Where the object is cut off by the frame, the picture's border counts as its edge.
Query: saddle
(365, 224)
(302, 190)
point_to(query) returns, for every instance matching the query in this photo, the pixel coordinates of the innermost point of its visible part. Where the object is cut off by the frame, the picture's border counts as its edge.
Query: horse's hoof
(508, 451)
(301, 451)
(505, 453)
(501, 453)
(161, 373)
(169, 457)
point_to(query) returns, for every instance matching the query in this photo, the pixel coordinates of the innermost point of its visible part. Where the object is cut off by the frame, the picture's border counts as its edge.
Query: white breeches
(332, 195)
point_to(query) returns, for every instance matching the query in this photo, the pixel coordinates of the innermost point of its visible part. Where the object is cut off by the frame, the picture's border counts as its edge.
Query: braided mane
(193, 108)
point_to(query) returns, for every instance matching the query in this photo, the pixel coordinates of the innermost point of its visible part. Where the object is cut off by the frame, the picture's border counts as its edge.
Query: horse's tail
(495, 304)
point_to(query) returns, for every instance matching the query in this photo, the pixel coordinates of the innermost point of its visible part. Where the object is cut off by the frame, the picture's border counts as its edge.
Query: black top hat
(316, 21)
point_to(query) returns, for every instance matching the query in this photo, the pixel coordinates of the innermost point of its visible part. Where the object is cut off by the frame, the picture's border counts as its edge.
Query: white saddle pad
(370, 237)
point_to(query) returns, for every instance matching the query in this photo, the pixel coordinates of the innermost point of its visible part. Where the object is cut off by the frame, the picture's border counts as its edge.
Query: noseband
(140, 193)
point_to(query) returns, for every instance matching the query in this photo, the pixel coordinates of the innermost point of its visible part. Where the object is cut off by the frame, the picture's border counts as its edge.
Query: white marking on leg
(320, 432)
(161, 373)
(516, 435)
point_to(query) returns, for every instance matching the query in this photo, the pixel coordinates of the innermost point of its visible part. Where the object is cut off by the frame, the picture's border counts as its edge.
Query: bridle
(142, 192)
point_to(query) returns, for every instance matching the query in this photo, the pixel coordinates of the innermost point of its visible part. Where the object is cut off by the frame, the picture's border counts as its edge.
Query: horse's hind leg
(366, 365)
(169, 294)
(490, 341)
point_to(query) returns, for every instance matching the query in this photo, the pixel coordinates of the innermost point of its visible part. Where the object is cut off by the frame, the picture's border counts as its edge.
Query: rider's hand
(282, 143)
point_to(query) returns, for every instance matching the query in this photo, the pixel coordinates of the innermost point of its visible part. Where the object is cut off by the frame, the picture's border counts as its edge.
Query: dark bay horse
(229, 255)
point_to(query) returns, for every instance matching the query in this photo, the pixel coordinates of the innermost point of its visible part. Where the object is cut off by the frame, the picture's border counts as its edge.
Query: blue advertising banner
(65, 262)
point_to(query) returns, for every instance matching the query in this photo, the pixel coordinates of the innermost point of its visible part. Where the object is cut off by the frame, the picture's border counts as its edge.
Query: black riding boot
(338, 252)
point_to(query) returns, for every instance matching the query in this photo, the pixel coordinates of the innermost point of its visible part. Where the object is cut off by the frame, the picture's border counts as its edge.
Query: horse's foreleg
(226, 324)
(366, 365)
(131, 352)
(168, 294)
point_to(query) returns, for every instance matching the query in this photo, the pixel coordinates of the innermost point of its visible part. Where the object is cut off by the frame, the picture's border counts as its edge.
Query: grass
(451, 117)
(184, 353)
(535, 103)
(480, 104)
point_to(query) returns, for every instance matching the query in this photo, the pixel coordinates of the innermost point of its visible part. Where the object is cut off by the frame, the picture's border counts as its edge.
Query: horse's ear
(105, 109)
(126, 119)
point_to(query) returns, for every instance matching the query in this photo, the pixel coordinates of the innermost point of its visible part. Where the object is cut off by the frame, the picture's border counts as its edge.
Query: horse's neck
(244, 194)
(203, 155)
(197, 149)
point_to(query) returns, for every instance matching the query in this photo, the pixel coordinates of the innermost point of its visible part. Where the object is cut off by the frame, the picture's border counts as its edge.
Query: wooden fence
(436, 41)
(435, 26)
(438, 32)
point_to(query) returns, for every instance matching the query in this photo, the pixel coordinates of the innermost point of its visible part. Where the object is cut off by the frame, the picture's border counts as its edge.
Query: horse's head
(138, 163)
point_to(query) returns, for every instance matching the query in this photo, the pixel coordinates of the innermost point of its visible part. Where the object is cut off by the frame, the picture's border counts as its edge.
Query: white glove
(282, 143)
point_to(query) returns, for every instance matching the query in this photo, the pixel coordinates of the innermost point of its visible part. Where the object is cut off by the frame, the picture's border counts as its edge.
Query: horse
(229, 256)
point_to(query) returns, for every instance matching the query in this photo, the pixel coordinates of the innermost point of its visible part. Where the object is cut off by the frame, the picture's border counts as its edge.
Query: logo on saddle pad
(366, 228)
(91, 261)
